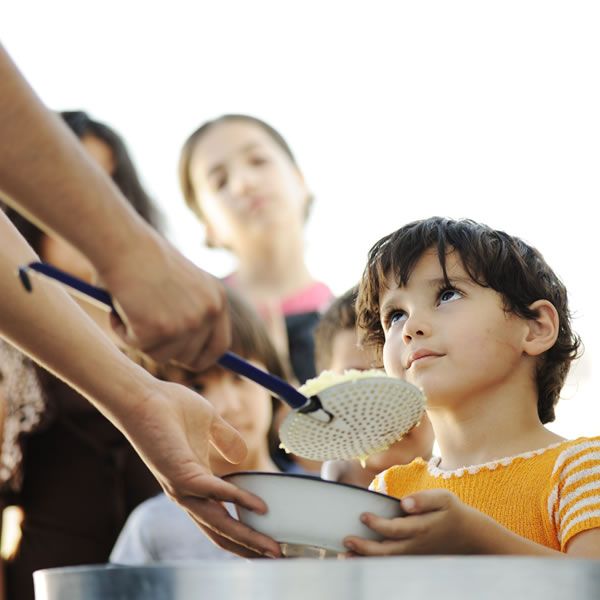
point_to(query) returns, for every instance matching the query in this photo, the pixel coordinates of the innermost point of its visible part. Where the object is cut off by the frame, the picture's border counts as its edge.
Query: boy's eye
(450, 295)
(394, 317)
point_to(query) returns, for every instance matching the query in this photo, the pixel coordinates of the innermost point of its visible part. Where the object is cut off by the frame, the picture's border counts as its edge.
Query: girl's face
(242, 403)
(60, 253)
(245, 184)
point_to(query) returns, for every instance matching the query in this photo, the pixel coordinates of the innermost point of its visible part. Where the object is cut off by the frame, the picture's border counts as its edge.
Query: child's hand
(437, 522)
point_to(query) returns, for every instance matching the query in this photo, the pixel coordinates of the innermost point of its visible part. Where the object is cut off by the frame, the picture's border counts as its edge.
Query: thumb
(227, 441)
(426, 501)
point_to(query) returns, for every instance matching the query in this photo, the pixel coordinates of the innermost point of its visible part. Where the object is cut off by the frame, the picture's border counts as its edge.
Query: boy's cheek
(392, 360)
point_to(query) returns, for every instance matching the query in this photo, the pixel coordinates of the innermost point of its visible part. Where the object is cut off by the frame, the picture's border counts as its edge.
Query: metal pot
(413, 578)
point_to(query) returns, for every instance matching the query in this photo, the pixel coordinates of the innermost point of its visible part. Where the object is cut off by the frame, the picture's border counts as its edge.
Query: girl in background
(158, 530)
(241, 179)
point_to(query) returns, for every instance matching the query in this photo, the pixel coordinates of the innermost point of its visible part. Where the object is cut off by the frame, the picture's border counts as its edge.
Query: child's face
(245, 184)
(241, 402)
(453, 343)
(346, 354)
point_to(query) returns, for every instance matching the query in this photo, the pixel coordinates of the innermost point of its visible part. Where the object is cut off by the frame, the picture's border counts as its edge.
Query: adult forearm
(46, 175)
(49, 326)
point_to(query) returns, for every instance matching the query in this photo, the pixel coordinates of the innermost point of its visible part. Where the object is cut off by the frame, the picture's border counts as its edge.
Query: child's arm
(439, 523)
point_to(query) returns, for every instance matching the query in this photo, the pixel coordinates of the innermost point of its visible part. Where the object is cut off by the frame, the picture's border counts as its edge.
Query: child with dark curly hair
(479, 321)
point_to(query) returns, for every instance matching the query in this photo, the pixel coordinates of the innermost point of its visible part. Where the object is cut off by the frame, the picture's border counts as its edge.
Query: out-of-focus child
(159, 530)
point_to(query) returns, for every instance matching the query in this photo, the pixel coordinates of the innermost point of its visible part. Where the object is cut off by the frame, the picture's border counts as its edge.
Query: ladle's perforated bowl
(310, 517)
(369, 415)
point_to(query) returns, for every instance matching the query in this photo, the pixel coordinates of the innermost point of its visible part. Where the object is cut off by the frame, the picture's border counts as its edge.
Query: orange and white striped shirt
(548, 495)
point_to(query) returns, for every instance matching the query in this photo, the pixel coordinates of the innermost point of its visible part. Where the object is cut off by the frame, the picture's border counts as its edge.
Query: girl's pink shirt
(313, 298)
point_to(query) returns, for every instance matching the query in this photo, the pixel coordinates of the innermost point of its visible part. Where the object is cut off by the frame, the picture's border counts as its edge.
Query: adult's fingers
(227, 441)
(210, 487)
(229, 545)
(183, 350)
(217, 343)
(240, 538)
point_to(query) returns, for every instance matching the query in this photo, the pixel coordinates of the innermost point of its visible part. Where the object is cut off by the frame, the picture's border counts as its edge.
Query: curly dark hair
(491, 258)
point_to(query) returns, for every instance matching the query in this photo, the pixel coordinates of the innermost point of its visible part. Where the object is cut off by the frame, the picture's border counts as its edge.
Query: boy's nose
(415, 326)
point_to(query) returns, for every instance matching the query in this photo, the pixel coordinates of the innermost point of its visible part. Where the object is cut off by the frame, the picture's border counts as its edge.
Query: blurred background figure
(241, 179)
(158, 530)
(107, 148)
(337, 350)
(73, 475)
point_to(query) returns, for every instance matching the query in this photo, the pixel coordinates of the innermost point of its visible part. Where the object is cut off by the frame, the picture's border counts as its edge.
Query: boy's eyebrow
(439, 281)
(241, 150)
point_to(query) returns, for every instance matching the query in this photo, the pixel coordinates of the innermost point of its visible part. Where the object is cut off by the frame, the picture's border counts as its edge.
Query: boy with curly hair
(478, 320)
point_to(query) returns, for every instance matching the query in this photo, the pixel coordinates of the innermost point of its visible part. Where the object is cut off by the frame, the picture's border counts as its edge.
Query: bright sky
(395, 110)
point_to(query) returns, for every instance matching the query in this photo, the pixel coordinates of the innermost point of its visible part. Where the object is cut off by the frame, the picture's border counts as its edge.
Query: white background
(395, 110)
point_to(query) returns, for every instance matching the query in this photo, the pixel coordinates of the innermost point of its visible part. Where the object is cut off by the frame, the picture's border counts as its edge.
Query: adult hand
(170, 309)
(171, 429)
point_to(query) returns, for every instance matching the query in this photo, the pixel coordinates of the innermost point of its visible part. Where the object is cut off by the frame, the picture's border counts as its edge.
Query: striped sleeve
(574, 501)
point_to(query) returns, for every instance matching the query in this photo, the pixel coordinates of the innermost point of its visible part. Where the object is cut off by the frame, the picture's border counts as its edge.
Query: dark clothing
(81, 479)
(300, 329)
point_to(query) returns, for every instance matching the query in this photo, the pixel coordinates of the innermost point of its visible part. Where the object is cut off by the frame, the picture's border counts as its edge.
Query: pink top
(313, 298)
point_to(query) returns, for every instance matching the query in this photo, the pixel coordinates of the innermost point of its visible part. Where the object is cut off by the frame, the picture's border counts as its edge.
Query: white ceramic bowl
(309, 516)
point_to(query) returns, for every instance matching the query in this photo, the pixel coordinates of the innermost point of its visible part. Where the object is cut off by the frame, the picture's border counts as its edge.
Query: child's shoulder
(402, 472)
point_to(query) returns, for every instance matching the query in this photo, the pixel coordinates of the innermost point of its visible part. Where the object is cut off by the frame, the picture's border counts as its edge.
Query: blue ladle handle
(229, 360)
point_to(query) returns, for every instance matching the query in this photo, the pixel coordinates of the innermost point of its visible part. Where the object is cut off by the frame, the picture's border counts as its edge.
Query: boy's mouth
(419, 355)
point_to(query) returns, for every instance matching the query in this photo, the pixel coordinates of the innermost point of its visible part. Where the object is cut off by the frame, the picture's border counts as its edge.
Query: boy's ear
(543, 329)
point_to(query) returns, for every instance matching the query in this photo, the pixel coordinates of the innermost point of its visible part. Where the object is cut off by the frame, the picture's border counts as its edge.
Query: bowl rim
(311, 478)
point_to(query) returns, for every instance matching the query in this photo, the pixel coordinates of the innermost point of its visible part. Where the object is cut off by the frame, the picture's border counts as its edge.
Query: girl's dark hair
(185, 159)
(492, 259)
(124, 175)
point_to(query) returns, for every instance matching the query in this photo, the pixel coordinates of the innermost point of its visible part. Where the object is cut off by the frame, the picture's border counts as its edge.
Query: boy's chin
(440, 395)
